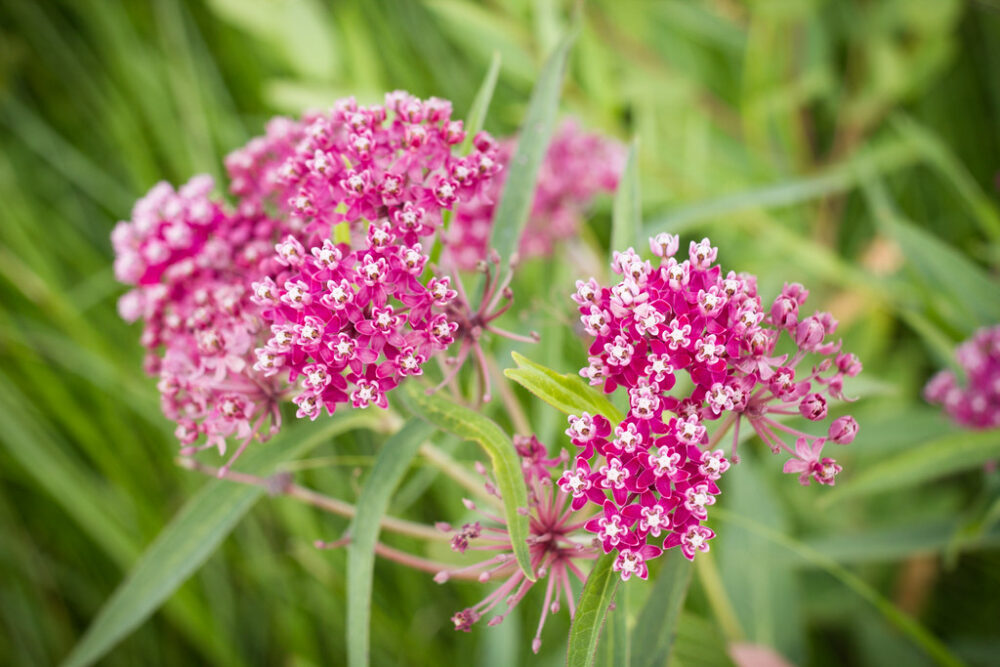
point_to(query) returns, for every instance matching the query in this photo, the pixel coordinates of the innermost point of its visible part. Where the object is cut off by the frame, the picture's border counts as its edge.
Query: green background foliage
(850, 145)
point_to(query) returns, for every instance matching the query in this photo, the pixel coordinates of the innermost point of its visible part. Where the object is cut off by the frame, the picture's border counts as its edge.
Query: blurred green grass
(811, 140)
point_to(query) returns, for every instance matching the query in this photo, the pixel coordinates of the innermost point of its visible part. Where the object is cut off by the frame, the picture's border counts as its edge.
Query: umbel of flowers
(975, 405)
(655, 475)
(312, 285)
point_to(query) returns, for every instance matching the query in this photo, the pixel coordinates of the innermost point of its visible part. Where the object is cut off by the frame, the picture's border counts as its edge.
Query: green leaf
(390, 466)
(953, 453)
(657, 624)
(566, 393)
(615, 647)
(480, 105)
(193, 535)
(522, 172)
(591, 610)
(626, 216)
(470, 425)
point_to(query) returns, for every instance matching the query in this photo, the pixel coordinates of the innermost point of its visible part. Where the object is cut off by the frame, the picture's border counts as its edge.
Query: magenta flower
(239, 302)
(555, 543)
(977, 404)
(656, 477)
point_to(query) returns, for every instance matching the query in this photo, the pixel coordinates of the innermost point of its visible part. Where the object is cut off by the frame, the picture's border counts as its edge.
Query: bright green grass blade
(522, 172)
(193, 535)
(390, 466)
(476, 117)
(566, 393)
(616, 647)
(592, 609)
(470, 425)
(953, 453)
(626, 217)
(910, 627)
(656, 627)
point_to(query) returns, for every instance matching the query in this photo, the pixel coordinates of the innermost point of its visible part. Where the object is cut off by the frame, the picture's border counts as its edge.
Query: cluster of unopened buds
(655, 474)
(316, 276)
(975, 405)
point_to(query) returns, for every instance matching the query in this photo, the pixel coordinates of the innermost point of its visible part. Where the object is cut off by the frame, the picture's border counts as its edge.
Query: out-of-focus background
(852, 145)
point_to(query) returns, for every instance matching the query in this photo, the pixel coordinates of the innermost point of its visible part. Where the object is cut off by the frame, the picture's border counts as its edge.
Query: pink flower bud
(809, 333)
(813, 407)
(843, 430)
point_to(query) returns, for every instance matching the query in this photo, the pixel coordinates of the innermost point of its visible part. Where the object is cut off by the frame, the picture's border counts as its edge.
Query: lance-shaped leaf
(463, 422)
(390, 466)
(591, 611)
(657, 625)
(566, 393)
(522, 172)
(194, 534)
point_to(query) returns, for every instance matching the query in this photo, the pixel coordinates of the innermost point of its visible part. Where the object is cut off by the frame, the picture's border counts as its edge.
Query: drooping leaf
(626, 217)
(953, 453)
(567, 393)
(656, 627)
(193, 535)
(465, 423)
(522, 172)
(390, 466)
(591, 611)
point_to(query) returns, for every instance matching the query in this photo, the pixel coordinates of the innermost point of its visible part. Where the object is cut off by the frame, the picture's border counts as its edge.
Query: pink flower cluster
(555, 543)
(977, 404)
(577, 167)
(655, 474)
(210, 279)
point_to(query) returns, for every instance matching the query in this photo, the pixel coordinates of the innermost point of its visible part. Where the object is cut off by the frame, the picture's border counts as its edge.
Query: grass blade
(191, 537)
(470, 425)
(626, 217)
(519, 190)
(481, 104)
(656, 627)
(592, 609)
(390, 466)
(566, 393)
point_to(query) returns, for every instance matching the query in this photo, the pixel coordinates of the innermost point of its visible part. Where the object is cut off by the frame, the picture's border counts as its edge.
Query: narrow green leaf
(390, 466)
(909, 626)
(953, 453)
(470, 425)
(615, 648)
(192, 536)
(481, 103)
(656, 627)
(522, 172)
(566, 393)
(591, 610)
(626, 216)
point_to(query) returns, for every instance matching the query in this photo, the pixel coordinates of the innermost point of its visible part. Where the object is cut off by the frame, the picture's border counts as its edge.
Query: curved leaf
(566, 393)
(953, 453)
(626, 217)
(481, 104)
(536, 131)
(470, 425)
(193, 535)
(592, 609)
(656, 627)
(390, 466)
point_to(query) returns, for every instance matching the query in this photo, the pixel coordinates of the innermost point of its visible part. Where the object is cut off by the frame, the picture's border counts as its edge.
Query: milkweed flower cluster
(577, 167)
(556, 541)
(976, 405)
(240, 301)
(655, 474)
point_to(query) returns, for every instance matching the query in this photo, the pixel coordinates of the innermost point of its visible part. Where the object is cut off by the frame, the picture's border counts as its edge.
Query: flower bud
(809, 333)
(813, 407)
(843, 430)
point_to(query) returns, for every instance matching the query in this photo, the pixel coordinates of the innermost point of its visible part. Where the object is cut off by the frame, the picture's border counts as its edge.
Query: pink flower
(809, 464)
(977, 404)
